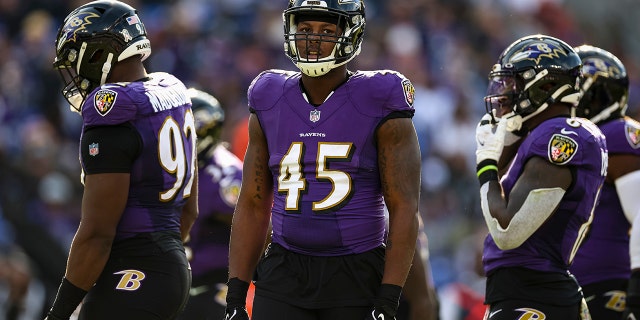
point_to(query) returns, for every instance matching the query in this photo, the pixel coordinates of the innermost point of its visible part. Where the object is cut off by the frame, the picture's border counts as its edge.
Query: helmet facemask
(347, 41)
(76, 86)
(522, 95)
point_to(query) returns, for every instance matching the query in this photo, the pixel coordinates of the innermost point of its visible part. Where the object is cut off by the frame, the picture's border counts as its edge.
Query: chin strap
(106, 68)
(515, 121)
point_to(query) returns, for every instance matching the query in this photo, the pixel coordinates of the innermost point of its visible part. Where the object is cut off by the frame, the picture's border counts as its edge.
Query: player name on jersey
(167, 98)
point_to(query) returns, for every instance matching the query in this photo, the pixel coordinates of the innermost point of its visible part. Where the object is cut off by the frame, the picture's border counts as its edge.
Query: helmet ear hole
(96, 56)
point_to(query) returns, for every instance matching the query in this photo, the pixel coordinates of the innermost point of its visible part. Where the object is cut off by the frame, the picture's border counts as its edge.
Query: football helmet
(604, 85)
(209, 118)
(92, 38)
(349, 16)
(530, 74)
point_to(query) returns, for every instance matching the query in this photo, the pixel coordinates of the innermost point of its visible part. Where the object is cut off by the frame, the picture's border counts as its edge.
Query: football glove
(514, 128)
(379, 314)
(632, 308)
(236, 313)
(490, 139)
(386, 303)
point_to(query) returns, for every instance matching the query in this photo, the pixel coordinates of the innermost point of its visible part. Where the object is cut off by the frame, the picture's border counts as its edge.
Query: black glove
(237, 313)
(632, 308)
(236, 300)
(379, 314)
(385, 305)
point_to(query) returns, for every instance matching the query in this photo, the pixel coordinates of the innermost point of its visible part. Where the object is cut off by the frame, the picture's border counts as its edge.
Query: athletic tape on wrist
(487, 170)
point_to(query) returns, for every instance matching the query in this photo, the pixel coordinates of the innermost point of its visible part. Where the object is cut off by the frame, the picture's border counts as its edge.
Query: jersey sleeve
(566, 142)
(401, 96)
(623, 136)
(389, 91)
(110, 104)
(109, 149)
(267, 88)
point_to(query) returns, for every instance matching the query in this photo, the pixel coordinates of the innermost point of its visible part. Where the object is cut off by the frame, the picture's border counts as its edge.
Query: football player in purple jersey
(605, 91)
(328, 148)
(539, 205)
(139, 169)
(219, 177)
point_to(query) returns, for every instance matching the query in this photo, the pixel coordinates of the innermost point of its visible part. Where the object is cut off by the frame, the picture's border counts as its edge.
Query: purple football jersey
(327, 193)
(571, 142)
(162, 175)
(609, 233)
(219, 183)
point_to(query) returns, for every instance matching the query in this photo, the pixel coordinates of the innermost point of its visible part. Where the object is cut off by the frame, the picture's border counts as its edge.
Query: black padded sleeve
(109, 149)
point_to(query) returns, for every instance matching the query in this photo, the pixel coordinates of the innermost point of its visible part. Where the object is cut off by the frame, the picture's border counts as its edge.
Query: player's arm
(106, 190)
(533, 199)
(190, 209)
(103, 202)
(253, 210)
(399, 165)
(419, 290)
(624, 172)
(250, 220)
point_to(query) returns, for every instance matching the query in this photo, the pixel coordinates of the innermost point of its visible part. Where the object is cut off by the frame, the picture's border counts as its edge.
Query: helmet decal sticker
(561, 149)
(75, 25)
(133, 19)
(537, 52)
(600, 67)
(126, 35)
(104, 101)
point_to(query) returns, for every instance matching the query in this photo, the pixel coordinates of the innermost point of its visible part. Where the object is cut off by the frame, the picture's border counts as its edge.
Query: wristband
(633, 290)
(487, 170)
(388, 298)
(237, 293)
(67, 300)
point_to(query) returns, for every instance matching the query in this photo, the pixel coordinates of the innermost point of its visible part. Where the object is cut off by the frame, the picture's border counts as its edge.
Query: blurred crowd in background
(446, 47)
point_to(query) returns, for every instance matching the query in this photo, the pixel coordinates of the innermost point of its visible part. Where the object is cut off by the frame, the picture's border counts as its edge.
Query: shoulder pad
(268, 87)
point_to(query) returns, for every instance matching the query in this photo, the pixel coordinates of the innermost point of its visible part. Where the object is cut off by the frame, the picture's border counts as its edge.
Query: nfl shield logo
(314, 115)
(93, 149)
